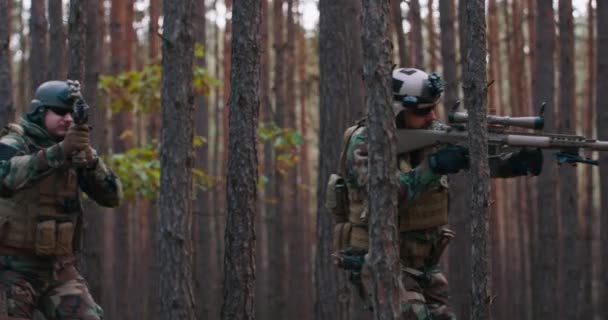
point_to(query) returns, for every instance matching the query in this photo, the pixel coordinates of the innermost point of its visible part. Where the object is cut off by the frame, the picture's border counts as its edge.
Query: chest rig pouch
(42, 218)
(430, 210)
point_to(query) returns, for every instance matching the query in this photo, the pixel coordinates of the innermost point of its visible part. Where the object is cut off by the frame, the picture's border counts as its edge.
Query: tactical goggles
(60, 111)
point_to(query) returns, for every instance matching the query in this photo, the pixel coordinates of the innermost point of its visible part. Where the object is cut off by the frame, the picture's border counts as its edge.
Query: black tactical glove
(450, 159)
(76, 139)
(526, 161)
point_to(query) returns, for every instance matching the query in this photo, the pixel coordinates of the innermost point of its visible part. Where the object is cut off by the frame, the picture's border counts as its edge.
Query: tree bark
(38, 52)
(57, 44)
(7, 109)
(383, 257)
(398, 22)
(176, 295)
(76, 40)
(571, 259)
(416, 39)
(545, 269)
(474, 78)
(341, 101)
(241, 191)
(602, 134)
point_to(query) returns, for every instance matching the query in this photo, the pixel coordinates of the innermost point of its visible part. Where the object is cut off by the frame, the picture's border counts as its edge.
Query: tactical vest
(430, 210)
(42, 218)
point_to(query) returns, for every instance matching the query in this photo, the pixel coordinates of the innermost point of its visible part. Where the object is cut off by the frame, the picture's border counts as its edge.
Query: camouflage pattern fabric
(411, 184)
(19, 165)
(52, 287)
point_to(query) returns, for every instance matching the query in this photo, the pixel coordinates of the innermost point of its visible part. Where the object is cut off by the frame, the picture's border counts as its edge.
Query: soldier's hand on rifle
(527, 161)
(450, 159)
(76, 139)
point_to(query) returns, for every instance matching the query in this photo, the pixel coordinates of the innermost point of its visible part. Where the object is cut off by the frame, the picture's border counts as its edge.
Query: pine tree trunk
(474, 78)
(57, 43)
(571, 259)
(241, 191)
(341, 101)
(383, 257)
(7, 110)
(176, 294)
(398, 22)
(416, 40)
(432, 36)
(76, 40)
(545, 269)
(602, 134)
(93, 219)
(38, 53)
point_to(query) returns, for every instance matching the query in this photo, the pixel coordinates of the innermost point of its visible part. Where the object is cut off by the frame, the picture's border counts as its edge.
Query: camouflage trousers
(33, 286)
(425, 293)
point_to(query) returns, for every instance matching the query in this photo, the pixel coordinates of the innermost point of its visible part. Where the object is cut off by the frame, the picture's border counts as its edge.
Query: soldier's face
(417, 120)
(57, 122)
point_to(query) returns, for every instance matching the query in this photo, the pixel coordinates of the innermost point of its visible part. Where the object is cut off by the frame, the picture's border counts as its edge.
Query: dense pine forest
(224, 119)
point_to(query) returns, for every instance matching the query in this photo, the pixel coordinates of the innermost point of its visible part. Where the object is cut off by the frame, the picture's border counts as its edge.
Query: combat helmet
(416, 89)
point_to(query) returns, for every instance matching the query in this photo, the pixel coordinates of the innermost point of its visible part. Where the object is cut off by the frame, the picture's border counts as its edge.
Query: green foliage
(285, 142)
(139, 91)
(139, 171)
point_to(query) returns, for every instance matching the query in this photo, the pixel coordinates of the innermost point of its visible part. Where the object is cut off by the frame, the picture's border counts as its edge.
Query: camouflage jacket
(19, 166)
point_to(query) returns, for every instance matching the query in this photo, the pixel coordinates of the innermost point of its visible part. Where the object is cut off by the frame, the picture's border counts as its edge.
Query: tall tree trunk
(153, 36)
(545, 268)
(571, 258)
(242, 177)
(204, 250)
(262, 279)
(432, 35)
(76, 40)
(460, 249)
(7, 110)
(588, 209)
(23, 90)
(398, 22)
(474, 76)
(383, 257)
(602, 134)
(276, 221)
(93, 221)
(341, 101)
(57, 44)
(38, 52)
(176, 294)
(416, 40)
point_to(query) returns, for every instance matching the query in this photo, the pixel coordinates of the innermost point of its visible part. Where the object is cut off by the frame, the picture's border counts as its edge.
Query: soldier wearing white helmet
(422, 196)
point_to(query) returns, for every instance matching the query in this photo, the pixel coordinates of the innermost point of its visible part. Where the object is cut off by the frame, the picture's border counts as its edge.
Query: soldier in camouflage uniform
(41, 212)
(423, 195)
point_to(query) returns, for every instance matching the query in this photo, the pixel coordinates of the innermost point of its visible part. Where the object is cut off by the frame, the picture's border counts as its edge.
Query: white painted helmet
(416, 89)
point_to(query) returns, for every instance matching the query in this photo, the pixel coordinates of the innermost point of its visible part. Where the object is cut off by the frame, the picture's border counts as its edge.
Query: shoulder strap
(345, 142)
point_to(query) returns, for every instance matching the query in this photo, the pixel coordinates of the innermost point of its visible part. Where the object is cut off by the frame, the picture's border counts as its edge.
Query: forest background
(545, 232)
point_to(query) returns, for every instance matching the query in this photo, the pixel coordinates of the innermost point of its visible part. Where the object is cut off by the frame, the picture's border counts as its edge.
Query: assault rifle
(498, 135)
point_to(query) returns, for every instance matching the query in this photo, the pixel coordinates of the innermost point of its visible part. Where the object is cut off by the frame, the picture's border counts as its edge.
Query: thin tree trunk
(241, 191)
(23, 90)
(76, 40)
(93, 224)
(398, 22)
(474, 77)
(416, 40)
(602, 134)
(38, 53)
(176, 295)
(586, 301)
(383, 257)
(545, 269)
(7, 110)
(432, 35)
(571, 259)
(57, 44)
